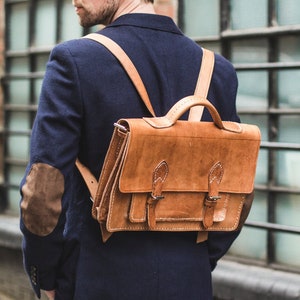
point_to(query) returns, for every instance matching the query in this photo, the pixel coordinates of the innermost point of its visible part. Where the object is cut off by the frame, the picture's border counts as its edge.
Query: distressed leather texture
(187, 176)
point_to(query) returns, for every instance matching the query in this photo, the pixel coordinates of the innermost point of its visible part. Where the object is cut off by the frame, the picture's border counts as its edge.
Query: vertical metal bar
(225, 15)
(4, 30)
(32, 59)
(32, 42)
(59, 6)
(180, 15)
(225, 11)
(272, 15)
(273, 130)
(32, 16)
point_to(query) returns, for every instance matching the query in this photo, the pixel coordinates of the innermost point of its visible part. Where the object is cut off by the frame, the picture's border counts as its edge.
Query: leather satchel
(166, 174)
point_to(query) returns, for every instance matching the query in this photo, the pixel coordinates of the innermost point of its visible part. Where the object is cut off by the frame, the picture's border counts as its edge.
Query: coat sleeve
(44, 188)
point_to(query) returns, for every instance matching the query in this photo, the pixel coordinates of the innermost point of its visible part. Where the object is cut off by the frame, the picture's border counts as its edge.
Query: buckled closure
(213, 198)
(214, 179)
(211, 201)
(157, 198)
(160, 174)
(121, 127)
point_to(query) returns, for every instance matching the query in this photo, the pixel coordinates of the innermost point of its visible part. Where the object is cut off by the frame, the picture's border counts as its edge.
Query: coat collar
(151, 21)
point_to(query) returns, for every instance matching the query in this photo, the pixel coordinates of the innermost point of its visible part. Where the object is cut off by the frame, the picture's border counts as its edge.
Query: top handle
(183, 105)
(180, 107)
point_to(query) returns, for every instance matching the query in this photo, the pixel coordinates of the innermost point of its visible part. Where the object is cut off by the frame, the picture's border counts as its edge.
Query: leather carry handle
(202, 86)
(180, 107)
(185, 104)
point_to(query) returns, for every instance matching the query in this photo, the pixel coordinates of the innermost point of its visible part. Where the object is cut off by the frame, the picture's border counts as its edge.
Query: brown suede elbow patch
(42, 195)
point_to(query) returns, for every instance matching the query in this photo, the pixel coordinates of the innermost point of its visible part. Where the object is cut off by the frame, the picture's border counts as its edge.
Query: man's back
(85, 91)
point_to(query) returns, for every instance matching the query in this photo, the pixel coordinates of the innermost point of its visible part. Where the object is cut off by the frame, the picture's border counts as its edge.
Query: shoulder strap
(203, 83)
(202, 86)
(127, 64)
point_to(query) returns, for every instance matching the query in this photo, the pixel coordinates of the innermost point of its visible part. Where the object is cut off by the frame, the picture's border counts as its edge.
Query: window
(262, 39)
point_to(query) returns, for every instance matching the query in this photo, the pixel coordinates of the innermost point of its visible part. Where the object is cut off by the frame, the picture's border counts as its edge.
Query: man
(85, 90)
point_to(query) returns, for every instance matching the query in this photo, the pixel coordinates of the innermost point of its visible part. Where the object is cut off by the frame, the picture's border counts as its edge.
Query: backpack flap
(191, 150)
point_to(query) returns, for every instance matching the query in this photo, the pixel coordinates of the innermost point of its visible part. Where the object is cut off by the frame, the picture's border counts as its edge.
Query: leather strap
(202, 86)
(203, 83)
(127, 64)
(89, 179)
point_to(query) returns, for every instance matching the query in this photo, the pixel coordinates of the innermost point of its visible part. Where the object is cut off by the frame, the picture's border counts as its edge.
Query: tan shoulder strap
(89, 179)
(203, 82)
(127, 64)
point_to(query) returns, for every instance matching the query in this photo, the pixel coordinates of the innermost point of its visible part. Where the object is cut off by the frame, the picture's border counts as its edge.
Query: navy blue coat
(85, 90)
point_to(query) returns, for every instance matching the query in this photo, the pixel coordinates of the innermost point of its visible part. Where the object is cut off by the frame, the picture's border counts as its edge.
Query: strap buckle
(157, 198)
(121, 127)
(213, 198)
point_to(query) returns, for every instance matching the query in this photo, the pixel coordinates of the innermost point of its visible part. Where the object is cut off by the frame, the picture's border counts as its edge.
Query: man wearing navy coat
(85, 90)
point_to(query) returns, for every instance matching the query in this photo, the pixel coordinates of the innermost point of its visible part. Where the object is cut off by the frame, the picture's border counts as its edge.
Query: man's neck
(133, 6)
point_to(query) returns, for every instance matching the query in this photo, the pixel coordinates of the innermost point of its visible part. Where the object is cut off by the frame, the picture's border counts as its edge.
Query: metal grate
(271, 33)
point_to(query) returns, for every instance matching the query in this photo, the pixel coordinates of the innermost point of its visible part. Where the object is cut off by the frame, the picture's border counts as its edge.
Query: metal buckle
(214, 198)
(121, 127)
(157, 198)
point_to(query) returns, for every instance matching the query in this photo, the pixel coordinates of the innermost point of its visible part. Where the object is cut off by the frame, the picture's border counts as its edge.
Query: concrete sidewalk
(4, 297)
